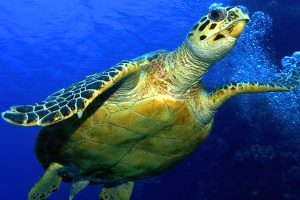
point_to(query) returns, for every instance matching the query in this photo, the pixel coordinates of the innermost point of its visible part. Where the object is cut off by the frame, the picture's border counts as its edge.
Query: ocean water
(253, 151)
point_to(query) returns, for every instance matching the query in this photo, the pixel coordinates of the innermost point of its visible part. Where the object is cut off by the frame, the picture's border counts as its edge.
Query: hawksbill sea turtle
(139, 118)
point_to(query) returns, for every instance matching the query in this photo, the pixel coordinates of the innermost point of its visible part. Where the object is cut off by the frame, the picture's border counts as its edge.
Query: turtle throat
(185, 69)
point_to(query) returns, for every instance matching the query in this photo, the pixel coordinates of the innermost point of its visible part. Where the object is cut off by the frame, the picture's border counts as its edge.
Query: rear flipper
(287, 82)
(47, 184)
(77, 186)
(119, 192)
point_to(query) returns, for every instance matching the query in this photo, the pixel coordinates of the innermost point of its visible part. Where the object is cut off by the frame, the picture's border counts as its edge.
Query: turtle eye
(217, 15)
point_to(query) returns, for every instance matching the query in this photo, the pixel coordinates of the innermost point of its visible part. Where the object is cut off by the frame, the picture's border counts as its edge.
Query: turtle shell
(125, 140)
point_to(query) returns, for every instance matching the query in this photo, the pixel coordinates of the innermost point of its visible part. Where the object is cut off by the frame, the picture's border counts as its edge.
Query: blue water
(253, 151)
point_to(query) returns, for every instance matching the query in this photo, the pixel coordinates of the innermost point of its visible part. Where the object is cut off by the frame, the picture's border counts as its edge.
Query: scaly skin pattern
(129, 138)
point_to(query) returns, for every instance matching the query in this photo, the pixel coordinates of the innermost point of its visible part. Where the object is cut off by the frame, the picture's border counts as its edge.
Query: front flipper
(120, 192)
(71, 100)
(48, 183)
(285, 83)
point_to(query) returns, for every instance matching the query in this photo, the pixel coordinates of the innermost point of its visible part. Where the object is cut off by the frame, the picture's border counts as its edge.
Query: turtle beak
(238, 28)
(241, 18)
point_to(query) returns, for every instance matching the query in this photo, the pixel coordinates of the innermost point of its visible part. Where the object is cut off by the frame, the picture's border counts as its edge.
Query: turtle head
(216, 33)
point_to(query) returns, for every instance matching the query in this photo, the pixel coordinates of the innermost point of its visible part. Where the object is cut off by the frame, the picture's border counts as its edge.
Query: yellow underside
(131, 139)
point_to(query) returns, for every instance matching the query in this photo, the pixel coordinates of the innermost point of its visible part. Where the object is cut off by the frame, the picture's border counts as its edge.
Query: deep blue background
(253, 151)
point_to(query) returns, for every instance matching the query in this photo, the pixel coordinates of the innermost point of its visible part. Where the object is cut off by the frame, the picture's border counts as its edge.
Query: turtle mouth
(242, 17)
(235, 28)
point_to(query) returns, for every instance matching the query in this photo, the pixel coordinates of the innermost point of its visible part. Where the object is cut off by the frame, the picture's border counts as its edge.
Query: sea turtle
(139, 118)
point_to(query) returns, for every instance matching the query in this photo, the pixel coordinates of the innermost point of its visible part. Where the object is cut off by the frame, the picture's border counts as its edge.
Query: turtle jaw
(234, 29)
(237, 28)
(235, 22)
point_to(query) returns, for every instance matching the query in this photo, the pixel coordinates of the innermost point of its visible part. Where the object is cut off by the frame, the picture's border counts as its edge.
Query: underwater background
(253, 151)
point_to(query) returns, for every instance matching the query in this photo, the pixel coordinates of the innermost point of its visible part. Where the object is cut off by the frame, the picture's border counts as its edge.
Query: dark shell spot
(120, 68)
(77, 96)
(51, 103)
(113, 73)
(49, 118)
(87, 94)
(229, 8)
(70, 98)
(213, 26)
(67, 94)
(15, 117)
(104, 78)
(203, 19)
(218, 37)
(89, 81)
(203, 26)
(31, 118)
(54, 108)
(42, 113)
(203, 37)
(38, 108)
(65, 111)
(61, 104)
(190, 34)
(24, 109)
(72, 103)
(95, 86)
(80, 104)
(77, 91)
(195, 27)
